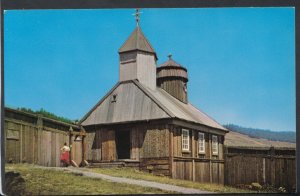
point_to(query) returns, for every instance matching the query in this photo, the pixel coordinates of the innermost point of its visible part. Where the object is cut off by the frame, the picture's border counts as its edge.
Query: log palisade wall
(34, 139)
(275, 167)
(156, 147)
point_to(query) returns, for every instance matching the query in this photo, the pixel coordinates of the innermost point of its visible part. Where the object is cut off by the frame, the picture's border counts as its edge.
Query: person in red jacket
(64, 158)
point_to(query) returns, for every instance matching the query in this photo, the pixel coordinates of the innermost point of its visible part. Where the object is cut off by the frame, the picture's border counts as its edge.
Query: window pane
(185, 139)
(215, 144)
(201, 142)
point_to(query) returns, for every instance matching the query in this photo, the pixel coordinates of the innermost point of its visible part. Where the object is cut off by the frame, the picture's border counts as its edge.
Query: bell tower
(173, 78)
(138, 58)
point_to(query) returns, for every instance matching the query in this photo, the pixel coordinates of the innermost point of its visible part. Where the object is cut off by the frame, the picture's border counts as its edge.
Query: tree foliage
(46, 114)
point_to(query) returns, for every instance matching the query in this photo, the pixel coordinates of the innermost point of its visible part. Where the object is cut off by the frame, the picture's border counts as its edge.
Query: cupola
(173, 78)
(138, 58)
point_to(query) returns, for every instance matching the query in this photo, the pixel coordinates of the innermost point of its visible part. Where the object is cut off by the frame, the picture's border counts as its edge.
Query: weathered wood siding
(202, 171)
(108, 145)
(156, 166)
(183, 169)
(128, 66)
(155, 143)
(151, 141)
(176, 87)
(34, 139)
(138, 65)
(93, 146)
(129, 100)
(136, 138)
(262, 167)
(172, 71)
(195, 166)
(146, 69)
(100, 145)
(77, 149)
(173, 79)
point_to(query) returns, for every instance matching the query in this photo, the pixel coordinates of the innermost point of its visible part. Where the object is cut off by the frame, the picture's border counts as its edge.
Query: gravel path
(144, 183)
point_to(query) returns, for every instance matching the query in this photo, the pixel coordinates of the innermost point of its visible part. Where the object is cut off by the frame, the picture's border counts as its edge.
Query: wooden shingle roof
(135, 102)
(238, 140)
(137, 41)
(170, 62)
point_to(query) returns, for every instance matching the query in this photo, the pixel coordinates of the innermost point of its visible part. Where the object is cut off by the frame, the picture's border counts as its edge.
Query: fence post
(40, 126)
(83, 144)
(70, 142)
(210, 157)
(273, 165)
(225, 164)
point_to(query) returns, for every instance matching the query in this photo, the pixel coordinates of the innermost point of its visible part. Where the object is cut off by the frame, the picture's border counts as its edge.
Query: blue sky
(240, 61)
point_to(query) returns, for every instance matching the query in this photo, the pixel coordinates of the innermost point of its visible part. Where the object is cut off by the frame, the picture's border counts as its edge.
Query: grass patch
(136, 174)
(39, 181)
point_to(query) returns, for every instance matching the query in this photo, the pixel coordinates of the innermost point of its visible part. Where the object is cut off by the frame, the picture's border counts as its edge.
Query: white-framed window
(214, 144)
(185, 140)
(201, 142)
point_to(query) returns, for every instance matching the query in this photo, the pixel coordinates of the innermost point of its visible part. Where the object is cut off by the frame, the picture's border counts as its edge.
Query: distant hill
(286, 136)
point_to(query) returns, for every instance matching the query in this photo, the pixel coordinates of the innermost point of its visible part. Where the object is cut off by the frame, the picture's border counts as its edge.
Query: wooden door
(77, 150)
(108, 145)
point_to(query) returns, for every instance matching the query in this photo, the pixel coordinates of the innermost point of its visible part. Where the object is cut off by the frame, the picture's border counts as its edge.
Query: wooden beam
(210, 166)
(70, 144)
(83, 143)
(261, 155)
(193, 160)
(55, 130)
(174, 121)
(40, 126)
(21, 143)
(177, 158)
(171, 154)
(73, 163)
(19, 122)
(197, 126)
(38, 117)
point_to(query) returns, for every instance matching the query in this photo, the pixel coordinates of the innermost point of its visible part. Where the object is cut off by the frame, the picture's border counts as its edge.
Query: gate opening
(123, 144)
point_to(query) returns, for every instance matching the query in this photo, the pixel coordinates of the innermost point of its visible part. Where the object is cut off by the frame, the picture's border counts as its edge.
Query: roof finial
(137, 16)
(170, 56)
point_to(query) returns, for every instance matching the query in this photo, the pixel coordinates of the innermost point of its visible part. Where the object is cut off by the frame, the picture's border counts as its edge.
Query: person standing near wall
(64, 158)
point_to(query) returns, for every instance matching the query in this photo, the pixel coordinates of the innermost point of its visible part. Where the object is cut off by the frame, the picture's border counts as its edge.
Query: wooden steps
(125, 163)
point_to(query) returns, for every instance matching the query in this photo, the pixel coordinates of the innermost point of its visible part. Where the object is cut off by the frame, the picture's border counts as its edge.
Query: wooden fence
(276, 167)
(34, 139)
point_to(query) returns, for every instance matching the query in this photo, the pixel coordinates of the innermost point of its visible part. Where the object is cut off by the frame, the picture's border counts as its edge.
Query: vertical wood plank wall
(149, 144)
(245, 168)
(77, 149)
(29, 140)
(109, 146)
(193, 165)
(174, 87)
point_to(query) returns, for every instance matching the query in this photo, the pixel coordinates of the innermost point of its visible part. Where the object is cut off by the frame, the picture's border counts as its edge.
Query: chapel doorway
(123, 144)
